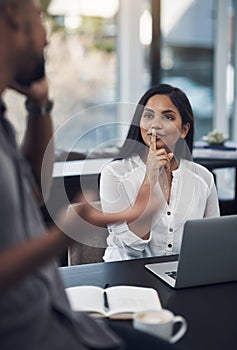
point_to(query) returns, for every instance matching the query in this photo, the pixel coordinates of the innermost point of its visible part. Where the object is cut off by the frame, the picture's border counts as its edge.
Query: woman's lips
(158, 136)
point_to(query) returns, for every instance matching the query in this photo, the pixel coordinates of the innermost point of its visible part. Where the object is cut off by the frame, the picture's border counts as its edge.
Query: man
(35, 313)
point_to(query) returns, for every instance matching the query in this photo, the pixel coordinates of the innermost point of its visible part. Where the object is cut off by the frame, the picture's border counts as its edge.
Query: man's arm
(38, 135)
(22, 260)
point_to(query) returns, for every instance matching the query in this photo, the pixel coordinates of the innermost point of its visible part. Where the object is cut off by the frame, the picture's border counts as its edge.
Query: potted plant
(215, 138)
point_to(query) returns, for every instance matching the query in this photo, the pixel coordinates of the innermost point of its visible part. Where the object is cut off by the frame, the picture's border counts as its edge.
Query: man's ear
(12, 14)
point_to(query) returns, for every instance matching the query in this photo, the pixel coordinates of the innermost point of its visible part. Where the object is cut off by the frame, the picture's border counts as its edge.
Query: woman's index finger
(153, 140)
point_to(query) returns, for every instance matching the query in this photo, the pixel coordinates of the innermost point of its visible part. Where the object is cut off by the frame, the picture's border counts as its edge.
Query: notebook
(208, 254)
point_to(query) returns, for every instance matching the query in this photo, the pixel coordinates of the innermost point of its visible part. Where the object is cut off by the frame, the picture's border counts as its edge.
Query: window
(187, 53)
(99, 64)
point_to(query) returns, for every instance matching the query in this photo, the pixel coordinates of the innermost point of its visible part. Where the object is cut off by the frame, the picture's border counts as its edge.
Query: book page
(130, 299)
(86, 298)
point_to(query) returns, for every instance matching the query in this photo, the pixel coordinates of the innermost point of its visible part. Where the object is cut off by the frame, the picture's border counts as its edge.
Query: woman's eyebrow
(168, 111)
(146, 109)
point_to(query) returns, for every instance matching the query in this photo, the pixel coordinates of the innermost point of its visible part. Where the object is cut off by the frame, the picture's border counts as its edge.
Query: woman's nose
(157, 123)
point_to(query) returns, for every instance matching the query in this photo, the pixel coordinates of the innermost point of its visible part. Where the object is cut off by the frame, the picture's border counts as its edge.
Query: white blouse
(193, 195)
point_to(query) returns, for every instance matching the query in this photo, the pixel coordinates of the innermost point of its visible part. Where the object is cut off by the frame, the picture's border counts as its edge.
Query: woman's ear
(186, 128)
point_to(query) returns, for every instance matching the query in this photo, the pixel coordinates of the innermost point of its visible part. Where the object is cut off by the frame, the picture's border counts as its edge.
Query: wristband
(38, 111)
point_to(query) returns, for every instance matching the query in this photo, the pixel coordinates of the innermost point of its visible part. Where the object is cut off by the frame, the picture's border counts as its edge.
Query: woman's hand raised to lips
(157, 160)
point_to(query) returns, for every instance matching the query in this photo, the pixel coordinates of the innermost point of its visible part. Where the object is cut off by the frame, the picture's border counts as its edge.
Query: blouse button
(169, 245)
(171, 230)
(168, 213)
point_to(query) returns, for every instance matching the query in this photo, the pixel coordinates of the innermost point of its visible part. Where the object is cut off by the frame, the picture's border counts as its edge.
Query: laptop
(208, 254)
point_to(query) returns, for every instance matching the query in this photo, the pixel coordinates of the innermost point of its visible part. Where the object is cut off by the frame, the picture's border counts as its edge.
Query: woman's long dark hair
(183, 147)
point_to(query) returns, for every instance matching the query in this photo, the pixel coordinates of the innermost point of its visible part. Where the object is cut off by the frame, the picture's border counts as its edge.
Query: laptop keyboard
(172, 274)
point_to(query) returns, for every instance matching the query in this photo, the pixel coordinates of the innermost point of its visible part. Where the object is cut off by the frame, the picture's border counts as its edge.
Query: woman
(157, 154)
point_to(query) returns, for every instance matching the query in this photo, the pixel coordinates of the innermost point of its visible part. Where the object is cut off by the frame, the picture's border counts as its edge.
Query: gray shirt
(35, 313)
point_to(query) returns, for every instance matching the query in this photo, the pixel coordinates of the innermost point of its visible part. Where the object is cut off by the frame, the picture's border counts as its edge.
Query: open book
(119, 302)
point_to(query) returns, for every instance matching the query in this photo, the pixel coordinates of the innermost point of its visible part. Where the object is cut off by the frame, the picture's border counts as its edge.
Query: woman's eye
(148, 116)
(167, 117)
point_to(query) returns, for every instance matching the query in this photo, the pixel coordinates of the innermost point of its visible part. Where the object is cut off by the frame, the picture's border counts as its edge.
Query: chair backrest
(89, 245)
(220, 168)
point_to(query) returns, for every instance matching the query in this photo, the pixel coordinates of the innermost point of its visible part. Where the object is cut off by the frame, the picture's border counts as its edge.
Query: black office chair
(227, 206)
(90, 242)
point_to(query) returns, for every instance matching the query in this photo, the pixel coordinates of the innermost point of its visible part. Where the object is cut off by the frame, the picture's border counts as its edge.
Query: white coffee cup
(160, 323)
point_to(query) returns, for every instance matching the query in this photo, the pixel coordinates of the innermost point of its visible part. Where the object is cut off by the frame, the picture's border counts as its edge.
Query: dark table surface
(211, 311)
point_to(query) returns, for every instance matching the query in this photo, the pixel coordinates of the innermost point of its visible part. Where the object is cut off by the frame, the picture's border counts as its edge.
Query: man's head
(20, 21)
